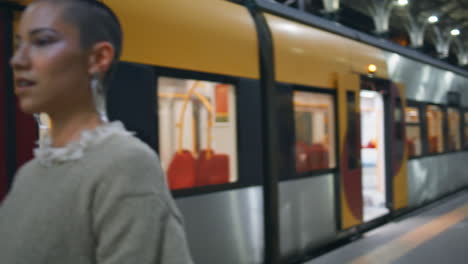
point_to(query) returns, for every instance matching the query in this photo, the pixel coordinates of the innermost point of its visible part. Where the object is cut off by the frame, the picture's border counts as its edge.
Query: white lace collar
(48, 155)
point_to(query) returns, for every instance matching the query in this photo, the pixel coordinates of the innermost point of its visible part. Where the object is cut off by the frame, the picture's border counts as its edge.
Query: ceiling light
(402, 2)
(455, 32)
(371, 68)
(433, 19)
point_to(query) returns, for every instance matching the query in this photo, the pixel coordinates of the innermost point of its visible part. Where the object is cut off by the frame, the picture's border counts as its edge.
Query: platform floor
(435, 234)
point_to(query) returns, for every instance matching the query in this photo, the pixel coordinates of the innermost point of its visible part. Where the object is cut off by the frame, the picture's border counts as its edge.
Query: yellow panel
(347, 218)
(400, 181)
(363, 55)
(306, 55)
(203, 35)
(346, 82)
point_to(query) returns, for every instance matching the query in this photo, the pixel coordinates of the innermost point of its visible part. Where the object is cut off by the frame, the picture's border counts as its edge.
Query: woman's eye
(42, 41)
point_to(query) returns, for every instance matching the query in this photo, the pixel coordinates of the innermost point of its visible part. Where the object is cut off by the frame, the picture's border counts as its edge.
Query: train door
(397, 194)
(372, 174)
(373, 160)
(349, 185)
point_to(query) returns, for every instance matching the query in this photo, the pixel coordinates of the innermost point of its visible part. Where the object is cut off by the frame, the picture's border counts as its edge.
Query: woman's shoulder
(125, 159)
(126, 147)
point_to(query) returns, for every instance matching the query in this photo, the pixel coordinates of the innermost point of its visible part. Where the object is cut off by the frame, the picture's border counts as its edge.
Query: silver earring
(99, 97)
(43, 129)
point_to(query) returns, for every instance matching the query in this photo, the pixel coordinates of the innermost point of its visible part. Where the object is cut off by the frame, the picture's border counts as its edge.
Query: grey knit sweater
(111, 206)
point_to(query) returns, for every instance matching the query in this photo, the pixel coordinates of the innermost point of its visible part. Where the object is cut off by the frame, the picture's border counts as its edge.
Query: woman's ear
(101, 57)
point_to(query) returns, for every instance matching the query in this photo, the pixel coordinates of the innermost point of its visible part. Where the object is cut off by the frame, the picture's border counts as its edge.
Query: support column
(442, 41)
(380, 11)
(416, 29)
(331, 6)
(462, 54)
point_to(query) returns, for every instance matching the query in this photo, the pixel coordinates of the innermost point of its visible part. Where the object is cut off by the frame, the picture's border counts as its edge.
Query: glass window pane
(413, 140)
(197, 132)
(435, 132)
(454, 137)
(412, 115)
(315, 131)
(413, 131)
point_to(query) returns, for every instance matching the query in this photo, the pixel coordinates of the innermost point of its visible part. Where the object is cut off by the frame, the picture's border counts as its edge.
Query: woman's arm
(133, 220)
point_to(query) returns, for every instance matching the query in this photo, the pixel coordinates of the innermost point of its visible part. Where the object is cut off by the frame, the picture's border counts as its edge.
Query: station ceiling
(360, 14)
(451, 13)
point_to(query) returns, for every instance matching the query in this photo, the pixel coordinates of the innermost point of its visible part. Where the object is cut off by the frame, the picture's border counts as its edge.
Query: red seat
(182, 171)
(433, 148)
(411, 147)
(317, 157)
(212, 168)
(301, 153)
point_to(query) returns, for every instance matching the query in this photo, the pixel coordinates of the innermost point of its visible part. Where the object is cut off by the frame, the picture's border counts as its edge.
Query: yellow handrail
(180, 124)
(172, 95)
(300, 104)
(210, 110)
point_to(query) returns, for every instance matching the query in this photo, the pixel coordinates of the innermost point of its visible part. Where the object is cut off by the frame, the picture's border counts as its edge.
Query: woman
(93, 193)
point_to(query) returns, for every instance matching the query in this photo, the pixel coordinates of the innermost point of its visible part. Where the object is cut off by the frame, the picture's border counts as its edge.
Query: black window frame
(320, 172)
(422, 128)
(353, 121)
(422, 105)
(249, 169)
(464, 125)
(442, 107)
(459, 109)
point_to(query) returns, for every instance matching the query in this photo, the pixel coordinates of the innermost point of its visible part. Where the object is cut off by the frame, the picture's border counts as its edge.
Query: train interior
(373, 155)
(198, 132)
(314, 131)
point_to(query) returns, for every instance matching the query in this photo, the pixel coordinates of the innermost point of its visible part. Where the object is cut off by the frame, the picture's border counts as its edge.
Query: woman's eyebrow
(40, 30)
(36, 31)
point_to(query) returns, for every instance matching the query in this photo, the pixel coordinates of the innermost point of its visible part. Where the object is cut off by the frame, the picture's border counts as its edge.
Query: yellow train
(280, 132)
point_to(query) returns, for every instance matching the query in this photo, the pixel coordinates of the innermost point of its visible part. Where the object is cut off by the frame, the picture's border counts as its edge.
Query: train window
(315, 131)
(413, 131)
(197, 132)
(435, 131)
(454, 137)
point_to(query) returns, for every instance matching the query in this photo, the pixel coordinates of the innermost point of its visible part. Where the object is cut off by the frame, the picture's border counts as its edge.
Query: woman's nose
(20, 59)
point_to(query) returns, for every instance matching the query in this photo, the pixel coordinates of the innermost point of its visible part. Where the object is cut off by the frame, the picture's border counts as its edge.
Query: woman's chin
(29, 107)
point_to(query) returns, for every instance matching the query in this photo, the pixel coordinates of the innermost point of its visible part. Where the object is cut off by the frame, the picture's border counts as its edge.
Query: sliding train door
(397, 194)
(350, 179)
(372, 178)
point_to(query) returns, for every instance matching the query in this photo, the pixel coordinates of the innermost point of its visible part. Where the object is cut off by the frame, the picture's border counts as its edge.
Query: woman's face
(51, 70)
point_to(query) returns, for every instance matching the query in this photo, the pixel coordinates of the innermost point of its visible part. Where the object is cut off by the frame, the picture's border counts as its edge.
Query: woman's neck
(68, 128)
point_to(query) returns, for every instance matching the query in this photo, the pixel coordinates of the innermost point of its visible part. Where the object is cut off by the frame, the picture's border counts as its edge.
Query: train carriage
(363, 129)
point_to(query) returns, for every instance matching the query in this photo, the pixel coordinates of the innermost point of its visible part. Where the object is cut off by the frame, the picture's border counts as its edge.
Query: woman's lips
(22, 84)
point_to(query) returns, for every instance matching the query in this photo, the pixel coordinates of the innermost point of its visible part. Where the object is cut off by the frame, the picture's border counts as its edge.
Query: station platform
(437, 233)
